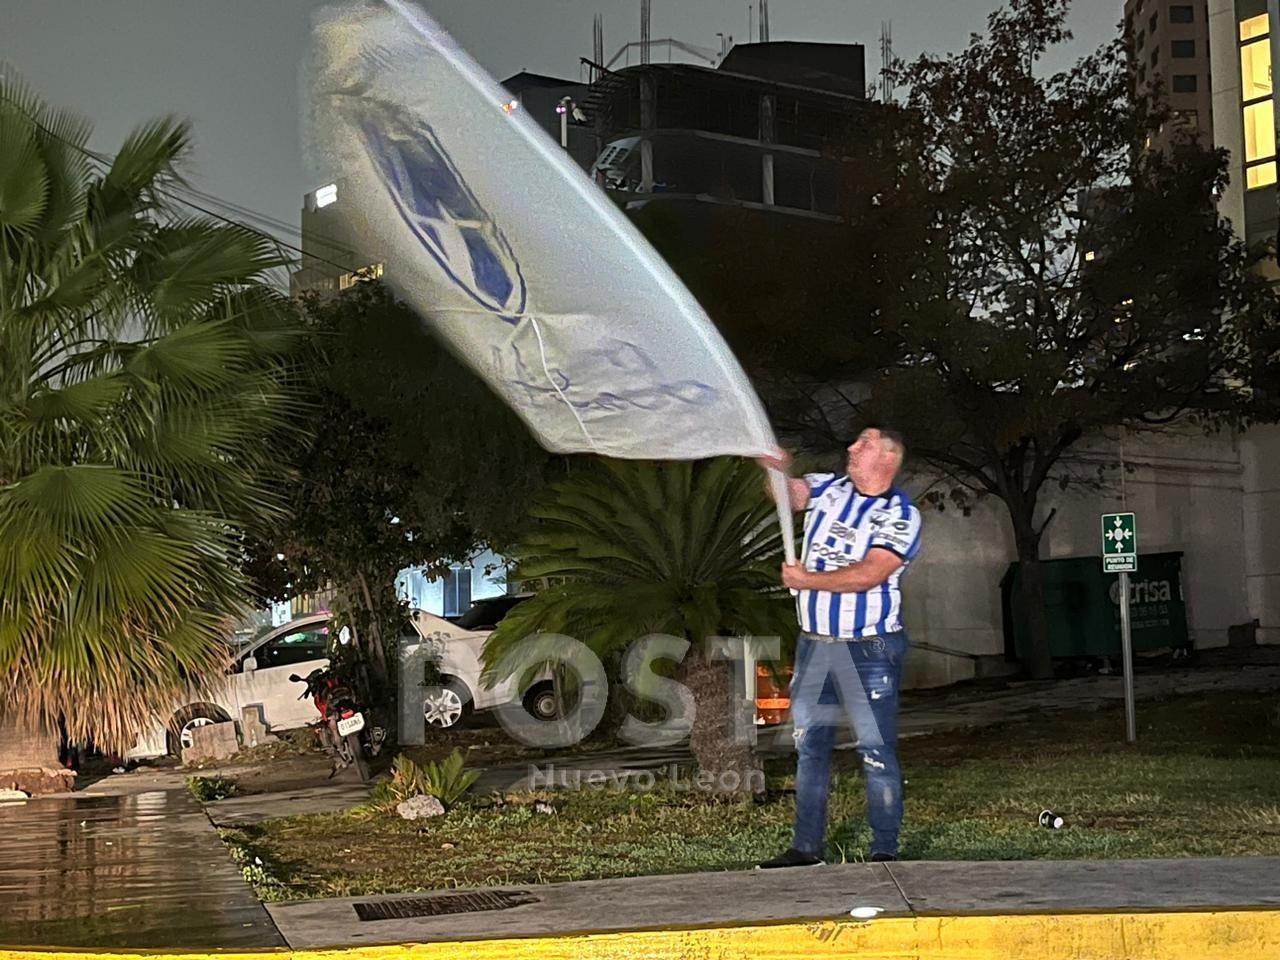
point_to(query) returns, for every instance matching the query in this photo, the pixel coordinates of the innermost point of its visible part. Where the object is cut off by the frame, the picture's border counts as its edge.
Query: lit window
(371, 272)
(1255, 70)
(1090, 256)
(1254, 27)
(1260, 175)
(326, 195)
(1259, 131)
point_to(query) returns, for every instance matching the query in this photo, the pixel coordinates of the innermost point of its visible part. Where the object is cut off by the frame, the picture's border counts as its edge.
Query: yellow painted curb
(1221, 935)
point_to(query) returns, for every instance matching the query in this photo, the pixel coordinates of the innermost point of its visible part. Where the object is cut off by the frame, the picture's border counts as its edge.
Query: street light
(566, 108)
(562, 108)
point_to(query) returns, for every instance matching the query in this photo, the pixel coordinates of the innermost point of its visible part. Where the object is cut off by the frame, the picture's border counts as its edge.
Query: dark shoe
(883, 858)
(791, 857)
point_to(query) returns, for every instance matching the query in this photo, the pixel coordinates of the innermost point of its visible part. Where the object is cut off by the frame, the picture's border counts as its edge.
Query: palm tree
(638, 547)
(142, 378)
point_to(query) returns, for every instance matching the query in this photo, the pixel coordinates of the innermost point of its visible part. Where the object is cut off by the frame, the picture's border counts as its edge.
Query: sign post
(1120, 555)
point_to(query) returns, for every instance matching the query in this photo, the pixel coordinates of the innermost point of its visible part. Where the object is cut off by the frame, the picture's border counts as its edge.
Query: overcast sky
(232, 66)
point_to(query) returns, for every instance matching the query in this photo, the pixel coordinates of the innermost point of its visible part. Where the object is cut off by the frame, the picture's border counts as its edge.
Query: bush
(446, 781)
(208, 789)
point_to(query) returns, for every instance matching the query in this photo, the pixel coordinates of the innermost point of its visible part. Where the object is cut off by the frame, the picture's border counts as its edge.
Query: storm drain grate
(442, 905)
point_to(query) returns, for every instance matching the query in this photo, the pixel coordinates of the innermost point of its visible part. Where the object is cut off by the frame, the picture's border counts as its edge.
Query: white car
(259, 676)
(457, 643)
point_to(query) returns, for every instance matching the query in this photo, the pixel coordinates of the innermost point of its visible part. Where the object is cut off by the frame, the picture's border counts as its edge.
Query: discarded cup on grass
(1050, 820)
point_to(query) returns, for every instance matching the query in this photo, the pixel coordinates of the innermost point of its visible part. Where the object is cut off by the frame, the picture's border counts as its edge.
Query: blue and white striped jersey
(840, 526)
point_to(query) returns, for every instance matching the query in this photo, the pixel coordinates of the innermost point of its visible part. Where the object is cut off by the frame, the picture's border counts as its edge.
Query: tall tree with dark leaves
(1046, 275)
(410, 461)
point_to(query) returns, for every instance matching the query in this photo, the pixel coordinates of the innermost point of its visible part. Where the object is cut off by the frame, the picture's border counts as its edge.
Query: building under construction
(757, 130)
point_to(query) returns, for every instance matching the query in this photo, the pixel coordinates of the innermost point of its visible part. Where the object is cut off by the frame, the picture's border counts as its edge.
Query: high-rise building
(1243, 36)
(1169, 43)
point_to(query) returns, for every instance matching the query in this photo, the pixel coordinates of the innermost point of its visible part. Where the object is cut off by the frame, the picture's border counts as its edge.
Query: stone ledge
(38, 781)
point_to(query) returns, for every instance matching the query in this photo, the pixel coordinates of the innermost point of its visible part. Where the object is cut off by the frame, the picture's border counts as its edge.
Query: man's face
(866, 454)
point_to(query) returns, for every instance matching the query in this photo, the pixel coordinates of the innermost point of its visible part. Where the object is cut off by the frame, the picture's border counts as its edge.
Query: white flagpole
(782, 497)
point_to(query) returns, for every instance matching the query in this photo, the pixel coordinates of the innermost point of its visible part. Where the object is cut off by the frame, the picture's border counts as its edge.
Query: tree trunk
(1036, 656)
(620, 704)
(29, 759)
(375, 646)
(725, 765)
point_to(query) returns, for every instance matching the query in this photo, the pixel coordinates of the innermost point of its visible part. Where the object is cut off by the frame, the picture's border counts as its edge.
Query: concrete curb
(1220, 935)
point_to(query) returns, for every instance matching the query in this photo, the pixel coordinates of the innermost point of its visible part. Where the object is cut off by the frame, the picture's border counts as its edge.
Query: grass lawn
(1204, 781)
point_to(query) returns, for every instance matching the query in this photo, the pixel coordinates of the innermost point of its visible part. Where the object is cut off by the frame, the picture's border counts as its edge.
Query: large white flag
(503, 245)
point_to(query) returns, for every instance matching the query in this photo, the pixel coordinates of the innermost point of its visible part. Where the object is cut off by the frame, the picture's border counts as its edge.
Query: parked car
(459, 641)
(258, 675)
(260, 670)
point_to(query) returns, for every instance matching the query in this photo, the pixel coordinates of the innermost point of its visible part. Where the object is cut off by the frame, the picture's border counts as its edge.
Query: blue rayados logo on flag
(433, 199)
(508, 251)
(444, 215)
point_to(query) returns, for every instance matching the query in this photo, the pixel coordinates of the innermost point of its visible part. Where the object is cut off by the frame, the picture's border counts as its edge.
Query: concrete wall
(1260, 455)
(1189, 494)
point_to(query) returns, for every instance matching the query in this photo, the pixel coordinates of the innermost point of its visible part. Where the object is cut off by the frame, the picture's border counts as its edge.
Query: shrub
(447, 781)
(208, 789)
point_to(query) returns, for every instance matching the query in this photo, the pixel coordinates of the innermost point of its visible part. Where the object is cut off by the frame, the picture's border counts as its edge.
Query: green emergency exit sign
(1119, 543)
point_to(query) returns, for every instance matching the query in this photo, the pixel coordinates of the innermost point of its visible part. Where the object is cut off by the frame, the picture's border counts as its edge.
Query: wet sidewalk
(132, 872)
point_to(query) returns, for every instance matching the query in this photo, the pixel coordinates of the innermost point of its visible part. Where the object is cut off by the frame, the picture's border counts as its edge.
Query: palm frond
(146, 375)
(24, 181)
(636, 547)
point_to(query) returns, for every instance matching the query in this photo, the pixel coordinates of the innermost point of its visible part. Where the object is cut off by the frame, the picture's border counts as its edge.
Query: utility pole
(1120, 555)
(886, 61)
(597, 40)
(646, 18)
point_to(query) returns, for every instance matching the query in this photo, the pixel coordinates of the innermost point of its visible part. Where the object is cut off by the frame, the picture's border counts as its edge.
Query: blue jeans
(857, 680)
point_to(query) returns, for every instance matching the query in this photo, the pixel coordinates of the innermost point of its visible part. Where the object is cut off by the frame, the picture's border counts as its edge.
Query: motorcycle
(344, 731)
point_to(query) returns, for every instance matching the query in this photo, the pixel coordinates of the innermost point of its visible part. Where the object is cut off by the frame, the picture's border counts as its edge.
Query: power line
(251, 214)
(263, 233)
(107, 159)
(247, 212)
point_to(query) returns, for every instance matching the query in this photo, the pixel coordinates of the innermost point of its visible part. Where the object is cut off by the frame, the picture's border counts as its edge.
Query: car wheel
(540, 702)
(446, 705)
(187, 719)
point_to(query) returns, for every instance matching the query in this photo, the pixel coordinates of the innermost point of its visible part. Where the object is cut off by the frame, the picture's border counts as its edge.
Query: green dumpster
(1083, 605)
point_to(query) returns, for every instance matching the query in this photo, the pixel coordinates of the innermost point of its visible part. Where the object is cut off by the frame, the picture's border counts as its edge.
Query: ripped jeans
(848, 681)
